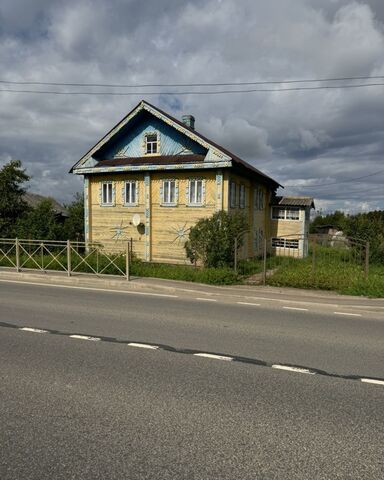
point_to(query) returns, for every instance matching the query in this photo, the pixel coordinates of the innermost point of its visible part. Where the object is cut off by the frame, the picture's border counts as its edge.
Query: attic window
(151, 143)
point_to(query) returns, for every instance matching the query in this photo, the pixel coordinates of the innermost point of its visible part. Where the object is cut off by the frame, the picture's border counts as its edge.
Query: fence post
(17, 248)
(127, 255)
(314, 258)
(265, 262)
(366, 260)
(235, 256)
(69, 267)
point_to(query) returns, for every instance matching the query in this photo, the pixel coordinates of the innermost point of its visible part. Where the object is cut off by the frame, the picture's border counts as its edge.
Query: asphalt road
(78, 409)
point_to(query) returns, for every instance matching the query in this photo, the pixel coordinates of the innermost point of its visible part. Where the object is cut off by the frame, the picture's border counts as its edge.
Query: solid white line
(85, 337)
(248, 303)
(296, 308)
(346, 313)
(216, 357)
(293, 369)
(372, 380)
(207, 299)
(91, 288)
(34, 330)
(143, 345)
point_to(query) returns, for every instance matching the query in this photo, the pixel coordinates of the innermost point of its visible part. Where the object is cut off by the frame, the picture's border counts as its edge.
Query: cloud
(301, 138)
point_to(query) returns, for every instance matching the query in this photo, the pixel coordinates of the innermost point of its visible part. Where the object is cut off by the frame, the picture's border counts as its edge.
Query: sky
(314, 142)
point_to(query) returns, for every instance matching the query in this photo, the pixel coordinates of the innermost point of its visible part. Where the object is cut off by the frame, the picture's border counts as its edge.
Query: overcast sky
(300, 138)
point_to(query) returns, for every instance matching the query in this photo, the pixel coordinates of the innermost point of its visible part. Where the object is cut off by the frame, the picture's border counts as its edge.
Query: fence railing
(71, 257)
(312, 256)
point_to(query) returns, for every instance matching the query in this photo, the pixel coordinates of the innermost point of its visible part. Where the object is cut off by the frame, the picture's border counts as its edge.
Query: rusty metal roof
(293, 202)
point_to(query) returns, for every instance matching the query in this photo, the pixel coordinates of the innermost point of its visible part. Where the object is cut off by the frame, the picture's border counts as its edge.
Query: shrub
(212, 240)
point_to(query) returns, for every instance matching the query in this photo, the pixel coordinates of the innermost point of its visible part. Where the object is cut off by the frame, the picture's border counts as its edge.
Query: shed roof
(293, 201)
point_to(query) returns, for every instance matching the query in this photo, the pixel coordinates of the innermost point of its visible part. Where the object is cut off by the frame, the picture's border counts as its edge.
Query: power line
(217, 84)
(213, 92)
(336, 183)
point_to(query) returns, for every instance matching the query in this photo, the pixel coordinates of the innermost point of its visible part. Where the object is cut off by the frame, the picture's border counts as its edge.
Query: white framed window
(107, 193)
(232, 194)
(151, 143)
(242, 196)
(195, 192)
(168, 196)
(285, 243)
(281, 213)
(130, 192)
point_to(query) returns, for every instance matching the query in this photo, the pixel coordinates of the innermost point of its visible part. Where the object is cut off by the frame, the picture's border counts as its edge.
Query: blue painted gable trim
(131, 141)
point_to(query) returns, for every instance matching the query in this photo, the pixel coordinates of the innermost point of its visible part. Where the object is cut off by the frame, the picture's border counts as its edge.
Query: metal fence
(73, 258)
(313, 256)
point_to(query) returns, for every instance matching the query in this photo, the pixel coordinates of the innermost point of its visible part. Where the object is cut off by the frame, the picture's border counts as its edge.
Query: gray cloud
(300, 138)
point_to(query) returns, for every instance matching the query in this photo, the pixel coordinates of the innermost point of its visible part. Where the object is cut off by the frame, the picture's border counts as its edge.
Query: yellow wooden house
(153, 176)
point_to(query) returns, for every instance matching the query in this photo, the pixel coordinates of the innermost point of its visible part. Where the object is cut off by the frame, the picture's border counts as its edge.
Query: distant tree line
(19, 219)
(367, 226)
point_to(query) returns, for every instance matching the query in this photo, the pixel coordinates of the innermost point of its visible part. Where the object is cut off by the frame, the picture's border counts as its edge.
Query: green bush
(212, 240)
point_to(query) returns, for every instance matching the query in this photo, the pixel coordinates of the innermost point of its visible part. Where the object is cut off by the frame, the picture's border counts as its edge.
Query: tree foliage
(74, 224)
(12, 205)
(363, 226)
(212, 240)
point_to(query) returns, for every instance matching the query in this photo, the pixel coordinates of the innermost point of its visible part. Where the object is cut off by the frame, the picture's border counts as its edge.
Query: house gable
(130, 141)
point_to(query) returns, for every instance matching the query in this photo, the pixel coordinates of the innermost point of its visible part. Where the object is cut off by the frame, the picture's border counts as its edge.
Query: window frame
(242, 196)
(232, 194)
(164, 201)
(286, 243)
(112, 196)
(193, 202)
(285, 210)
(152, 144)
(134, 201)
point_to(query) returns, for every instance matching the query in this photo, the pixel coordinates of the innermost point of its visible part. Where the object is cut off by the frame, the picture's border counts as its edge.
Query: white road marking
(372, 380)
(296, 308)
(92, 288)
(216, 357)
(347, 313)
(85, 337)
(207, 299)
(293, 369)
(143, 345)
(34, 330)
(249, 303)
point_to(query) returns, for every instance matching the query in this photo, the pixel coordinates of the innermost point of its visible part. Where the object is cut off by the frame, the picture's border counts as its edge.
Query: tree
(212, 240)
(74, 224)
(41, 223)
(12, 205)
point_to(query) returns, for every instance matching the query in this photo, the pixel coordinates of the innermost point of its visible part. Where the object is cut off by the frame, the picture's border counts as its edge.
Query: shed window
(169, 192)
(285, 243)
(281, 213)
(107, 193)
(130, 192)
(151, 143)
(195, 192)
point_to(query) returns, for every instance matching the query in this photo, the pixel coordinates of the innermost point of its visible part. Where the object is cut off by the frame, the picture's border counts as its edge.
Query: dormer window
(151, 144)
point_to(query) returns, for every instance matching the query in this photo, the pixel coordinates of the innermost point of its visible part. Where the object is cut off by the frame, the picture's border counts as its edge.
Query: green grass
(329, 274)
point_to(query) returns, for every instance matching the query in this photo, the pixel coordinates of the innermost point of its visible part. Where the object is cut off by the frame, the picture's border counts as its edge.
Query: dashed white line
(215, 357)
(293, 369)
(207, 299)
(34, 330)
(372, 380)
(347, 313)
(296, 308)
(85, 337)
(143, 345)
(249, 303)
